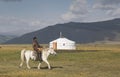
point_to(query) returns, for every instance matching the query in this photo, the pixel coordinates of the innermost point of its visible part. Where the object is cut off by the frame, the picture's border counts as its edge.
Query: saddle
(34, 54)
(37, 55)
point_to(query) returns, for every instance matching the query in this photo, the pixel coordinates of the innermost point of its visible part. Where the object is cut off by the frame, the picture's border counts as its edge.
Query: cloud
(17, 25)
(96, 10)
(11, 0)
(104, 7)
(110, 6)
(15, 21)
(77, 10)
(106, 2)
(20, 25)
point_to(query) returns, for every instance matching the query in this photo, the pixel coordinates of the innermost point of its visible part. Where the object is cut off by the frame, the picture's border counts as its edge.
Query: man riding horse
(37, 48)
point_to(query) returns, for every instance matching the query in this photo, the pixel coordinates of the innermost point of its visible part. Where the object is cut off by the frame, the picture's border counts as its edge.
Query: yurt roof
(65, 40)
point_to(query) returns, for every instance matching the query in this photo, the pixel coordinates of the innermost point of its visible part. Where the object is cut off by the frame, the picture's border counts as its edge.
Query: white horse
(28, 54)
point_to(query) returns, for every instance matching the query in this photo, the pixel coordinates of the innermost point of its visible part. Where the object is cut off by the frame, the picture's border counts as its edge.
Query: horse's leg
(47, 64)
(27, 62)
(22, 58)
(21, 64)
(39, 65)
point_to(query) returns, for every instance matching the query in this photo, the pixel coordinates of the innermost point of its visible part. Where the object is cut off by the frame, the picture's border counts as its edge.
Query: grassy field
(89, 61)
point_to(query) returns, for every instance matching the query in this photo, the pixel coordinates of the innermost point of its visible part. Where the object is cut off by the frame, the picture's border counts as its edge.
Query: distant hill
(4, 38)
(76, 31)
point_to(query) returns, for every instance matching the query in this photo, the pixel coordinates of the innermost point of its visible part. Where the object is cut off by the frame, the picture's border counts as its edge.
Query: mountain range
(79, 32)
(4, 38)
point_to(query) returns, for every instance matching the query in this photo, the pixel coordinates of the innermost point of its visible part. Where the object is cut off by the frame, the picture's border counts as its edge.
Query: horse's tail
(23, 55)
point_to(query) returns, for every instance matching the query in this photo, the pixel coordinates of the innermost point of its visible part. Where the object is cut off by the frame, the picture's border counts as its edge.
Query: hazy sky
(21, 16)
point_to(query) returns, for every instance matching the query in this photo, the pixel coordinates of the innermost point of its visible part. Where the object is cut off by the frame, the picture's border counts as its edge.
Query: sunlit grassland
(90, 61)
(111, 47)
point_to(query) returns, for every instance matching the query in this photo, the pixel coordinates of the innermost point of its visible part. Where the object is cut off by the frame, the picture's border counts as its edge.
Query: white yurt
(62, 43)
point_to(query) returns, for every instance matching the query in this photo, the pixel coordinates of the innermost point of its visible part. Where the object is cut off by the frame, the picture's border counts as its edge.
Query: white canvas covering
(63, 44)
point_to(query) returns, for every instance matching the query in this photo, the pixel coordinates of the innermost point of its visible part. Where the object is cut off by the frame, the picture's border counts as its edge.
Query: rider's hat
(34, 38)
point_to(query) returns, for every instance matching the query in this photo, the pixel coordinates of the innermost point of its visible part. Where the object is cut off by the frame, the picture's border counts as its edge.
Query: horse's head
(51, 51)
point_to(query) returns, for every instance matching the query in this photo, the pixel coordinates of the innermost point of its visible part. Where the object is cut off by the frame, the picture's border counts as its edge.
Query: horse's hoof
(49, 68)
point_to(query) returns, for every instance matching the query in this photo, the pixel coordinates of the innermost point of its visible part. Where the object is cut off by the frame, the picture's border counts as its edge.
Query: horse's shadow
(52, 67)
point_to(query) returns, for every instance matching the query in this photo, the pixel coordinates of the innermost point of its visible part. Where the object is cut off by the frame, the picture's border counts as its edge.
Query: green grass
(79, 64)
